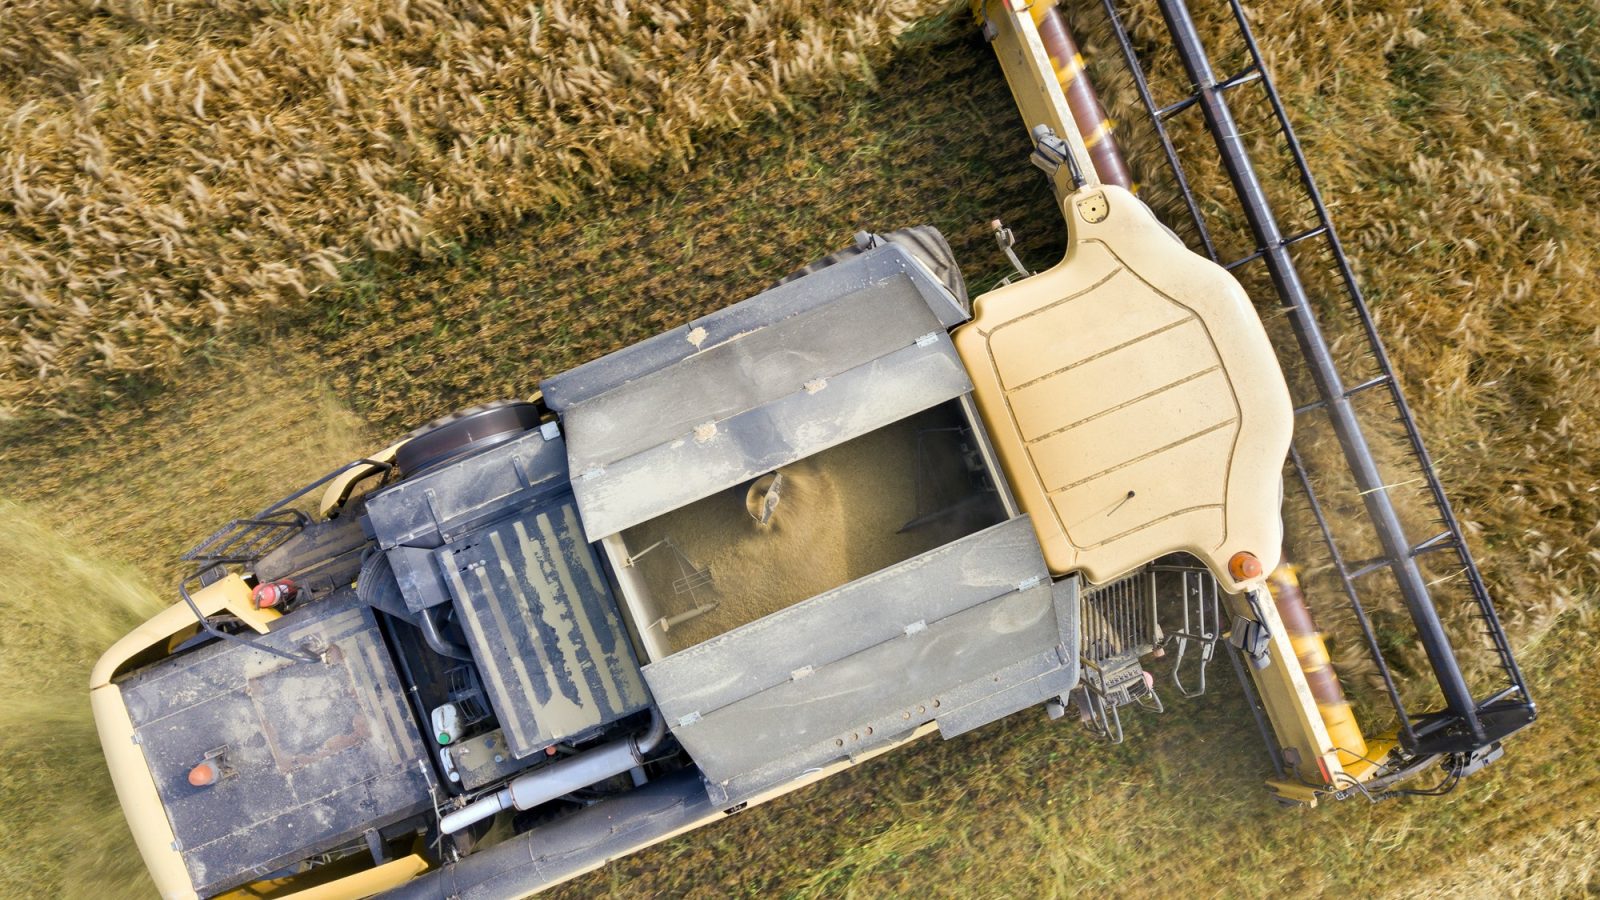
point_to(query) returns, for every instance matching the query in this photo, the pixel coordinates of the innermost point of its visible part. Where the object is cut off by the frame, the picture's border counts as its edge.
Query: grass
(1457, 149)
(60, 550)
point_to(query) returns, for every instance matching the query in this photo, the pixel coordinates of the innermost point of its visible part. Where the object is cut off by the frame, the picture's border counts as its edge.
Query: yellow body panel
(1291, 708)
(1133, 399)
(1138, 409)
(366, 882)
(1032, 78)
(1132, 395)
(1332, 753)
(230, 594)
(136, 791)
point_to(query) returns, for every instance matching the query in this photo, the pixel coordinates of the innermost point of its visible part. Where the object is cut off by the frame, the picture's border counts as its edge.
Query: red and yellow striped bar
(1091, 117)
(1312, 653)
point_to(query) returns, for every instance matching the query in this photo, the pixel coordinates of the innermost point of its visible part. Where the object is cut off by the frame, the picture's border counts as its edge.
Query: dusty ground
(1457, 146)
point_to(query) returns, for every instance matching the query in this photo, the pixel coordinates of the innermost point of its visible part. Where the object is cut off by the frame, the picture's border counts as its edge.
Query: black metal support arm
(246, 540)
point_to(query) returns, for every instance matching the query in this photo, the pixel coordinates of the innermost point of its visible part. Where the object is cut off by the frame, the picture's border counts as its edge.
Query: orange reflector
(1244, 566)
(273, 593)
(205, 774)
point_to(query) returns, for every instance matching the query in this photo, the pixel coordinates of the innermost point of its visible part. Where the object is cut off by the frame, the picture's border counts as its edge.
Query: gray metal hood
(786, 374)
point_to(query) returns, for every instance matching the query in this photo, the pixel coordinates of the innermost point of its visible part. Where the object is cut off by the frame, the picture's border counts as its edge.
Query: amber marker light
(205, 774)
(1244, 566)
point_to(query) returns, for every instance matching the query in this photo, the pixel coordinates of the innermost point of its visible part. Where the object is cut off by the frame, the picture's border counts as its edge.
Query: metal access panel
(961, 635)
(312, 753)
(786, 374)
(543, 626)
(411, 519)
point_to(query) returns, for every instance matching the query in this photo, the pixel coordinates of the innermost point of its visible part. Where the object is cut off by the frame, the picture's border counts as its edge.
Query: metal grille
(1119, 618)
(1199, 597)
(248, 539)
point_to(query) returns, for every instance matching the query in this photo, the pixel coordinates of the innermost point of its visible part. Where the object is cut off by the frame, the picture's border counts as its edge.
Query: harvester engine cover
(308, 755)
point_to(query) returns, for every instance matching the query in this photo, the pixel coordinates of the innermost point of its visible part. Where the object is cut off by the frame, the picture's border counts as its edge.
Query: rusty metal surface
(484, 759)
(312, 753)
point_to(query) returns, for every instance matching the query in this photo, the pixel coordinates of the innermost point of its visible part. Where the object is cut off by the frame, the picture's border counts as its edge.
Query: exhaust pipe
(562, 777)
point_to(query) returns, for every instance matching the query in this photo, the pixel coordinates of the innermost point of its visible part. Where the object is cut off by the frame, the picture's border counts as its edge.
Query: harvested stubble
(171, 170)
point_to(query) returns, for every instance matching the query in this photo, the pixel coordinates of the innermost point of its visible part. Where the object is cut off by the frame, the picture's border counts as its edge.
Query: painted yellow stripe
(514, 579)
(1065, 74)
(626, 677)
(1101, 132)
(1311, 649)
(476, 625)
(580, 613)
(576, 713)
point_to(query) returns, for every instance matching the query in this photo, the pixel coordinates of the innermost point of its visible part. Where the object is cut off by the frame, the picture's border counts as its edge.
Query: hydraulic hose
(441, 645)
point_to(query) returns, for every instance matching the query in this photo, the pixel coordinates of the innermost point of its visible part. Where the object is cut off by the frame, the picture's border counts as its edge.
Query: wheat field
(172, 169)
(1456, 146)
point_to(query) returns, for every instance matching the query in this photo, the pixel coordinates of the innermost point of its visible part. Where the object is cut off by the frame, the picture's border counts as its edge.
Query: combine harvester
(749, 553)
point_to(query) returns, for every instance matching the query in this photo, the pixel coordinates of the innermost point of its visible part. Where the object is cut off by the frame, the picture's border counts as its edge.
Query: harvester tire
(465, 431)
